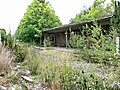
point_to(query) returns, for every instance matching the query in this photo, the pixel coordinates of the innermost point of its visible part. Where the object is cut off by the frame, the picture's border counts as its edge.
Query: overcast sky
(12, 11)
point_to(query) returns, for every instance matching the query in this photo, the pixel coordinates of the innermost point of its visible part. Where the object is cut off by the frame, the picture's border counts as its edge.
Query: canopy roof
(102, 21)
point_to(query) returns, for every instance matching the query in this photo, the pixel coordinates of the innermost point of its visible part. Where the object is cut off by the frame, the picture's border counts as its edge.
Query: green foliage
(61, 75)
(3, 35)
(20, 55)
(78, 79)
(97, 36)
(98, 9)
(47, 42)
(20, 52)
(100, 41)
(116, 18)
(77, 41)
(96, 56)
(94, 46)
(32, 60)
(39, 16)
(9, 40)
(81, 16)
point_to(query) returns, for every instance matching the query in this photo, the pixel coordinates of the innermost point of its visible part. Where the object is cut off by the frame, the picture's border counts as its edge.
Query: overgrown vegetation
(62, 75)
(93, 45)
(20, 52)
(56, 69)
(77, 41)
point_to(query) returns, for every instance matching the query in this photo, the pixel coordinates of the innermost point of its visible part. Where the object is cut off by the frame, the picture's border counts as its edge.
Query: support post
(117, 55)
(117, 45)
(66, 37)
(0, 39)
(40, 41)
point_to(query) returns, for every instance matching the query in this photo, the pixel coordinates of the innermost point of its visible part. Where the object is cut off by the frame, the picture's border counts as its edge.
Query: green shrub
(20, 52)
(95, 55)
(32, 60)
(9, 41)
(93, 45)
(47, 42)
(77, 41)
(21, 55)
(78, 79)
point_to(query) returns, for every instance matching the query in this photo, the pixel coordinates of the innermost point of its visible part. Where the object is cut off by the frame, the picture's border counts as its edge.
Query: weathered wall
(60, 39)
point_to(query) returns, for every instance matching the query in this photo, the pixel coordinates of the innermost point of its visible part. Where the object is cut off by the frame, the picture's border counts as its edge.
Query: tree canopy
(40, 15)
(116, 18)
(99, 9)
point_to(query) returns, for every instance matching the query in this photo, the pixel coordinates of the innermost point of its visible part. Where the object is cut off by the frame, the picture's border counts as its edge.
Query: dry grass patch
(6, 58)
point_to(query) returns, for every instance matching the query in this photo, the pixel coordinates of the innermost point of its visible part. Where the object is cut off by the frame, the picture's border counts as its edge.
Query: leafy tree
(116, 18)
(3, 35)
(39, 16)
(99, 9)
(116, 24)
(79, 16)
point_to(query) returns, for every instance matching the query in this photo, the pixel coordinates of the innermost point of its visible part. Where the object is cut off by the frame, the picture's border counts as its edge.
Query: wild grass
(6, 58)
(61, 75)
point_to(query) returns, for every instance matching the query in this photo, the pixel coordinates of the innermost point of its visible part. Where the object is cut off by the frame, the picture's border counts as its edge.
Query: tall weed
(94, 46)
(6, 58)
